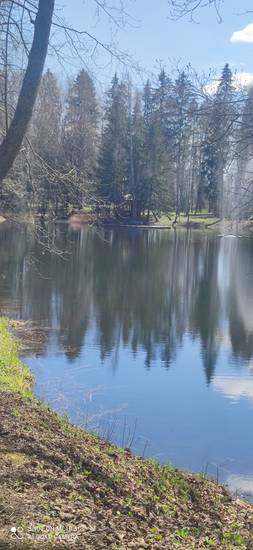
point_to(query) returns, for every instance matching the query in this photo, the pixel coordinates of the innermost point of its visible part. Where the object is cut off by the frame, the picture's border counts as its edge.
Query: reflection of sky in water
(180, 419)
(241, 485)
(152, 343)
(235, 387)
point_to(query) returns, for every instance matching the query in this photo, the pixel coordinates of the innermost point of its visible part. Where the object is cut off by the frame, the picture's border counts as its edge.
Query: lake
(146, 338)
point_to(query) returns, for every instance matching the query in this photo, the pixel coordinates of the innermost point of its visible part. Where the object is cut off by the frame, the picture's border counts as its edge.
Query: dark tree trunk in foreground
(14, 137)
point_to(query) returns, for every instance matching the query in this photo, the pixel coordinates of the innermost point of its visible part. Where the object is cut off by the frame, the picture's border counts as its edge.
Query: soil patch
(65, 488)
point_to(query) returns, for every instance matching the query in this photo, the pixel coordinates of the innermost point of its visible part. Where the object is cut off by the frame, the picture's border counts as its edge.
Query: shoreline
(63, 487)
(204, 223)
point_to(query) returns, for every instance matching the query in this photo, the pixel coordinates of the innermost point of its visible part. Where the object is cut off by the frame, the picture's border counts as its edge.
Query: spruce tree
(80, 135)
(183, 98)
(243, 192)
(157, 175)
(113, 167)
(139, 165)
(45, 138)
(217, 141)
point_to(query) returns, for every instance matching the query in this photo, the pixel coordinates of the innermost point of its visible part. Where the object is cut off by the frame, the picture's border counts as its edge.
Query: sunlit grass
(15, 458)
(203, 218)
(14, 375)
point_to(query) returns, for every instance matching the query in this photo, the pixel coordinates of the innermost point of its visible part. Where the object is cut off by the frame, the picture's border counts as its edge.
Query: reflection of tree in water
(205, 315)
(31, 277)
(13, 251)
(144, 289)
(73, 292)
(240, 300)
(139, 299)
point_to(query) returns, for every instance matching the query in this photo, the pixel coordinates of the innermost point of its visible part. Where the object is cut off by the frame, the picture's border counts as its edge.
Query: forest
(176, 145)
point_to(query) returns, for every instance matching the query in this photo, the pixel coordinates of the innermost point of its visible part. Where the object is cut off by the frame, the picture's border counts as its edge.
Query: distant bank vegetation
(172, 147)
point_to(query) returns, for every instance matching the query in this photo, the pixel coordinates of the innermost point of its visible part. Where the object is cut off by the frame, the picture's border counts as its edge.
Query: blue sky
(154, 38)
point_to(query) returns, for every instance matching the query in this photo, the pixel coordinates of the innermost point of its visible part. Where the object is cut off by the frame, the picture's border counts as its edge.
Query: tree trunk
(13, 140)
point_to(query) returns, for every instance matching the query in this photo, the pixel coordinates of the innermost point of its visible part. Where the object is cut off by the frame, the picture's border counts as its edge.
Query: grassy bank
(203, 220)
(14, 375)
(62, 487)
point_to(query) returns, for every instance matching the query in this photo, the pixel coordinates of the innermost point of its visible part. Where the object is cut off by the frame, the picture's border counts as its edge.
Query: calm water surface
(146, 337)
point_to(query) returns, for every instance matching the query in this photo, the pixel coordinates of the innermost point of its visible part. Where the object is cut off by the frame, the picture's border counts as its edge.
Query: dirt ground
(65, 488)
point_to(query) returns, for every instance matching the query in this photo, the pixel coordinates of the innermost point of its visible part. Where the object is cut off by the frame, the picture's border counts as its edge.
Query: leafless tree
(25, 27)
(189, 8)
(15, 133)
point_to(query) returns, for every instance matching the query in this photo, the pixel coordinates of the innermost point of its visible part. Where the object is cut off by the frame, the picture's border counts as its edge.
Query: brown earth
(62, 488)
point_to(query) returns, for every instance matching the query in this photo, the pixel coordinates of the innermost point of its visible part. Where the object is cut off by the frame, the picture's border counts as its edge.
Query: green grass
(203, 218)
(15, 458)
(86, 209)
(14, 375)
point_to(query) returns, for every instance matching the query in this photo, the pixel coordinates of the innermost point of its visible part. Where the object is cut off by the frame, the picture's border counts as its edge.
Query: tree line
(173, 146)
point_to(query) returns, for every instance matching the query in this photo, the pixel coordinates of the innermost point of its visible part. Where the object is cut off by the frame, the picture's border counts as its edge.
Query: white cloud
(243, 80)
(244, 36)
(241, 484)
(234, 387)
(240, 80)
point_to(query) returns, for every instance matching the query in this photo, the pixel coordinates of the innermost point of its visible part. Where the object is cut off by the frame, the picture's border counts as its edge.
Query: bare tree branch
(16, 132)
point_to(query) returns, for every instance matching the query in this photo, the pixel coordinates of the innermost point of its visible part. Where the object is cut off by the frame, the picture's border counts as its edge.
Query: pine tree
(45, 137)
(157, 175)
(139, 190)
(217, 142)
(80, 134)
(113, 169)
(243, 190)
(183, 100)
(163, 100)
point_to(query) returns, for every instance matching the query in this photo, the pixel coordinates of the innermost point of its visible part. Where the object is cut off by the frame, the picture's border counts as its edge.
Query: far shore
(201, 222)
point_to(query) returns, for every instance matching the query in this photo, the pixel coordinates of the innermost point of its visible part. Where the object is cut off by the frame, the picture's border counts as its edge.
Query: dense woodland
(178, 144)
(174, 146)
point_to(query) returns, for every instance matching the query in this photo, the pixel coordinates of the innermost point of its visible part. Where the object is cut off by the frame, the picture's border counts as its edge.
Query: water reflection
(143, 290)
(154, 325)
(241, 485)
(234, 387)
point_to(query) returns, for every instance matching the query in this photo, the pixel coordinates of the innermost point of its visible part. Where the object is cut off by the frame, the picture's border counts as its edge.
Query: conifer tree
(243, 192)
(113, 169)
(183, 98)
(80, 134)
(217, 141)
(157, 172)
(139, 165)
(45, 138)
